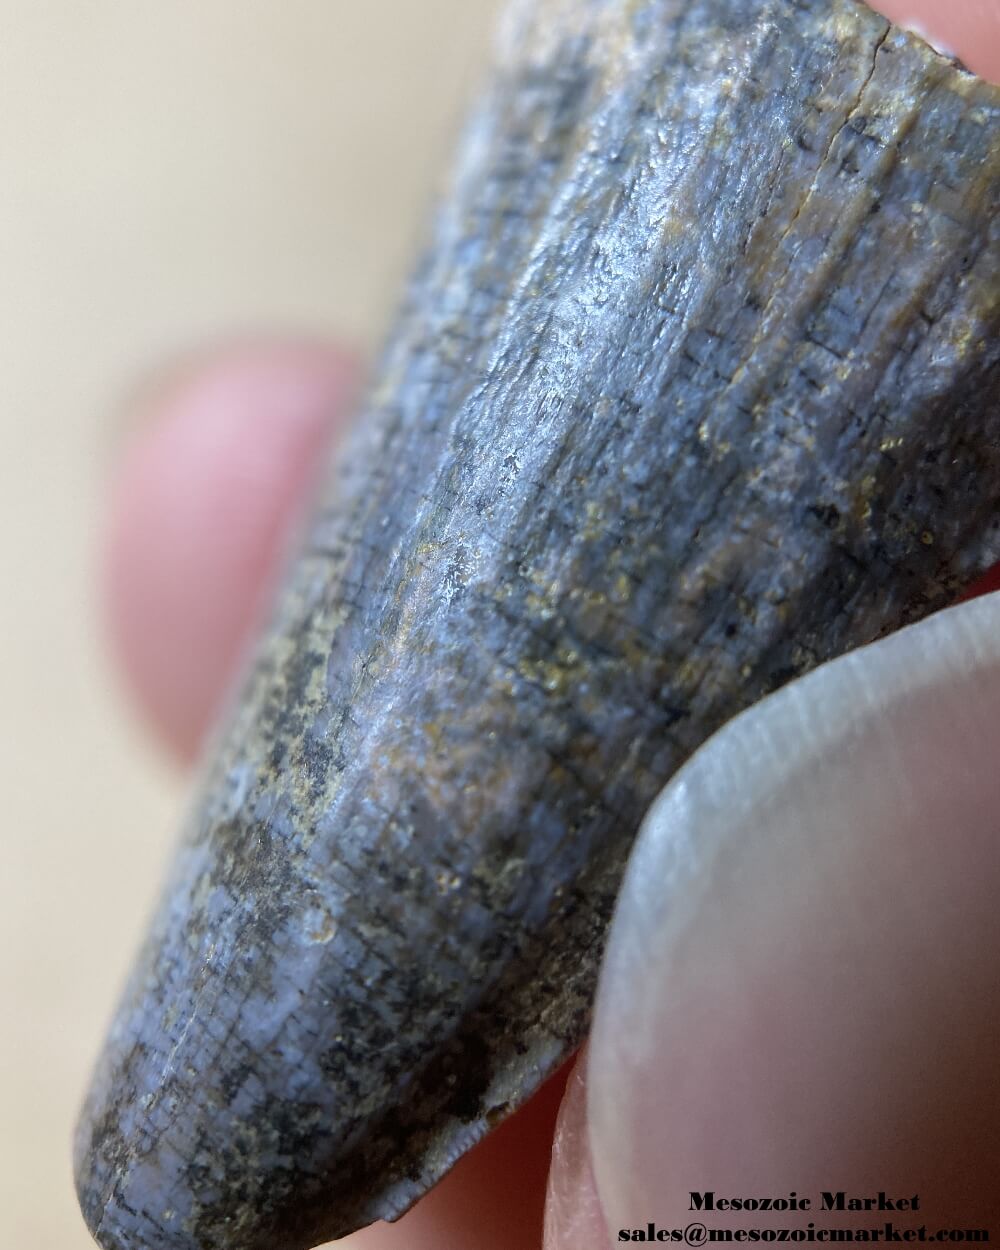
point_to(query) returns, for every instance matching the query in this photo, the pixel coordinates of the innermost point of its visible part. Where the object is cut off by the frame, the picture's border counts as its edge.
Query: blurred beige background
(169, 173)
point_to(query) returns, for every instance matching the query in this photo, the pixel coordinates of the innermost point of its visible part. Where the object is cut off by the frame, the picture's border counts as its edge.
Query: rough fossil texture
(698, 385)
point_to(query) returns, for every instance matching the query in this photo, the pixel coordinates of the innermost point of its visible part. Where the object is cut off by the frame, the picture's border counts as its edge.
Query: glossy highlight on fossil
(697, 386)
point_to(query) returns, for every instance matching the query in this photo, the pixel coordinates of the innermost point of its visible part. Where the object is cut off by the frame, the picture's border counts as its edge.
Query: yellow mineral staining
(447, 882)
(559, 675)
(672, 225)
(634, 653)
(861, 494)
(719, 446)
(780, 607)
(595, 523)
(542, 607)
(434, 734)
(964, 340)
(324, 931)
(621, 591)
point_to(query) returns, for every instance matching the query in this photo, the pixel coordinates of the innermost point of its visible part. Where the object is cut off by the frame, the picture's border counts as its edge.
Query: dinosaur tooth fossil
(698, 385)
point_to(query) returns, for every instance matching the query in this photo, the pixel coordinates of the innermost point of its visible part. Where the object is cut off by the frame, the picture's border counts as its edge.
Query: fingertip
(799, 991)
(209, 485)
(573, 1216)
(968, 29)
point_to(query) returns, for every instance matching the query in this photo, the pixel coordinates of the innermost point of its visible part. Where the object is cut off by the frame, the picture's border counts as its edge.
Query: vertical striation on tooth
(698, 385)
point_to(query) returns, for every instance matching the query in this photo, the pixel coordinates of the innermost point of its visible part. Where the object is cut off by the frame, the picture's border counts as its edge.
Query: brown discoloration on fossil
(697, 386)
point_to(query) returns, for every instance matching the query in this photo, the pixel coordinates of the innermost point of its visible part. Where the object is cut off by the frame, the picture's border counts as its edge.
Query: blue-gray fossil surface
(696, 386)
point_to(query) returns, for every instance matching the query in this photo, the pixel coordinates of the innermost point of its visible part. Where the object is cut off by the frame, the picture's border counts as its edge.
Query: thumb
(800, 991)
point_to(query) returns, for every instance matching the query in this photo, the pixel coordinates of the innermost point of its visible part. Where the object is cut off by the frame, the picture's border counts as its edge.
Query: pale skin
(189, 557)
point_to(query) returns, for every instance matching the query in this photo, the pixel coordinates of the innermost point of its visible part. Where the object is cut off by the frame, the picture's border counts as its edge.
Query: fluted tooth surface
(696, 386)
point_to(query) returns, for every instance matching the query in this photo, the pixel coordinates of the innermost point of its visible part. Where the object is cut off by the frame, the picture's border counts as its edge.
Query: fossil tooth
(698, 385)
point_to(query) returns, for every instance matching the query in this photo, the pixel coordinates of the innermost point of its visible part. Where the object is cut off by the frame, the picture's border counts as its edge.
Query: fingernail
(800, 990)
